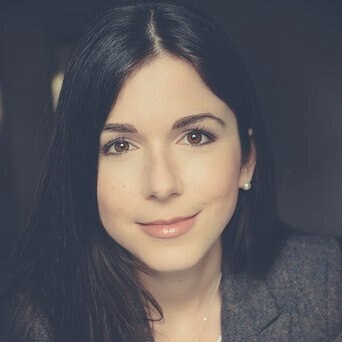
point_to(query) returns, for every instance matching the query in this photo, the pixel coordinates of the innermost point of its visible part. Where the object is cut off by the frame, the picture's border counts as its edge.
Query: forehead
(166, 87)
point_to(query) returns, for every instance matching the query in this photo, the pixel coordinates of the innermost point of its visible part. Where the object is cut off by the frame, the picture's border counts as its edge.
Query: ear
(247, 169)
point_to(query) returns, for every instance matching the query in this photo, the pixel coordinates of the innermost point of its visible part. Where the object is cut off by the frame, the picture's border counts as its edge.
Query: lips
(166, 229)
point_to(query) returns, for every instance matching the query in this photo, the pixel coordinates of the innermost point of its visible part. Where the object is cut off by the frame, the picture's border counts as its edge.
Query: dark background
(292, 49)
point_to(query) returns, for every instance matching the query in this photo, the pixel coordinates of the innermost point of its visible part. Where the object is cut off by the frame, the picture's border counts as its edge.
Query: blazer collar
(248, 308)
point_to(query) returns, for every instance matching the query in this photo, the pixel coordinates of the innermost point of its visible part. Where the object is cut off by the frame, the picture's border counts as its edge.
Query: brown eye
(121, 146)
(197, 137)
(194, 138)
(118, 147)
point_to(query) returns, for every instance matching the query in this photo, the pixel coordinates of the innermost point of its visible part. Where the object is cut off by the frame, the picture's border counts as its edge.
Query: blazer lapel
(249, 311)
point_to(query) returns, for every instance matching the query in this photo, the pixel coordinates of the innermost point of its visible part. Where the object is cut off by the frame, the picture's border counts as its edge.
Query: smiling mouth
(166, 229)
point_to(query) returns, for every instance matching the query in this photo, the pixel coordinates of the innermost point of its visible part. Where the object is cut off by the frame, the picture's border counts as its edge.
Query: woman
(156, 217)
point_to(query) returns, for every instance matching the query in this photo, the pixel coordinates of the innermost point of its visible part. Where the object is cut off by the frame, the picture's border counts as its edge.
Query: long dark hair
(67, 273)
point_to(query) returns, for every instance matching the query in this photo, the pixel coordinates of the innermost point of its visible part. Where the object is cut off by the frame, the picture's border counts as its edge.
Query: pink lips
(165, 229)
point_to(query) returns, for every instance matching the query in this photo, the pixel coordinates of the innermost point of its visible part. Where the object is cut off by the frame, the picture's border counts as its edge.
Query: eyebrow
(183, 122)
(190, 119)
(120, 127)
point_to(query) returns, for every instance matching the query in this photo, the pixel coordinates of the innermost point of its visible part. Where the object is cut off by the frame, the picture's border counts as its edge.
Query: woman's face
(169, 167)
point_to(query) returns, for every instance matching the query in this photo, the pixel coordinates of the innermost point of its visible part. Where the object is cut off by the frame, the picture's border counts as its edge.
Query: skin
(166, 173)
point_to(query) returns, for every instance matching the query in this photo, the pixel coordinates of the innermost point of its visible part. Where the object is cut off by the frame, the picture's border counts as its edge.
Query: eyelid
(204, 131)
(210, 136)
(109, 144)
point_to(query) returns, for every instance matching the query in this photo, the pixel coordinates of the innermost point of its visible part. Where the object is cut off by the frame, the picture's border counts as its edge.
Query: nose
(161, 176)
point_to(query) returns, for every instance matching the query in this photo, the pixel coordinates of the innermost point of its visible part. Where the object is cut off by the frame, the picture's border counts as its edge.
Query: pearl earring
(247, 186)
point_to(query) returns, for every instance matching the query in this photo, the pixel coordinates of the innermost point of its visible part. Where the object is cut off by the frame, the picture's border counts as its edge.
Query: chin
(167, 266)
(177, 260)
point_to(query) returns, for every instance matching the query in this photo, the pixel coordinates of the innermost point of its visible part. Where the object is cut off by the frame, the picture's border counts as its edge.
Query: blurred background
(292, 49)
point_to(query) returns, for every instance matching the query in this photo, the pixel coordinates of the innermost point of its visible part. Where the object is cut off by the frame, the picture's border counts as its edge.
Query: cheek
(218, 175)
(216, 184)
(114, 196)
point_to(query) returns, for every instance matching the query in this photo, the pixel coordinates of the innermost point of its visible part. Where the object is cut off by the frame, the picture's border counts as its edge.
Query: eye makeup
(195, 137)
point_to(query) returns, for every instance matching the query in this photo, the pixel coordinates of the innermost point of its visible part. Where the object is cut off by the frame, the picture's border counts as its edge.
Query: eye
(118, 147)
(197, 137)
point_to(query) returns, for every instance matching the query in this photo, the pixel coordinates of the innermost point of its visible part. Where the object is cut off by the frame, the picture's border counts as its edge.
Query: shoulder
(306, 282)
(298, 300)
(307, 258)
(22, 319)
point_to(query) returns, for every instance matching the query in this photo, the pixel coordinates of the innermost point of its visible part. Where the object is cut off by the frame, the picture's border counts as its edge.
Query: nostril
(162, 179)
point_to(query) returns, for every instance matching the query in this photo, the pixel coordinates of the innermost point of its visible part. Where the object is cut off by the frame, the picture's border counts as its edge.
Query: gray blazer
(300, 300)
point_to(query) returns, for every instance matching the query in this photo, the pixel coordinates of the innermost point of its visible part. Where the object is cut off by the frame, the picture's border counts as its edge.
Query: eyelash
(210, 136)
(201, 130)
